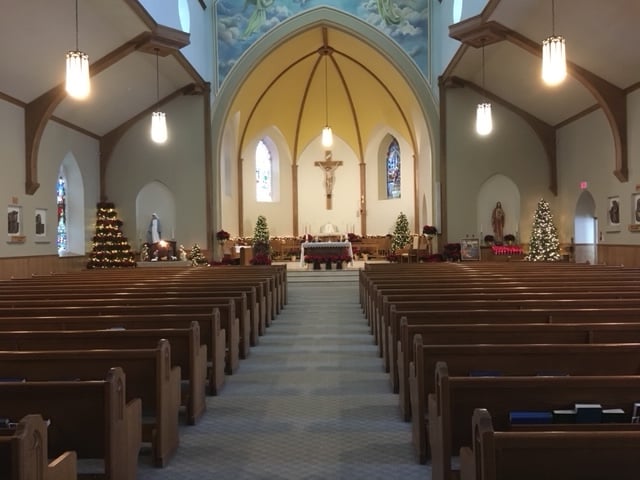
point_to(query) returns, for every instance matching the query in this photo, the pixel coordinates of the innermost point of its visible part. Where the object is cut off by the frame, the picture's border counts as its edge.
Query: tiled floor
(311, 402)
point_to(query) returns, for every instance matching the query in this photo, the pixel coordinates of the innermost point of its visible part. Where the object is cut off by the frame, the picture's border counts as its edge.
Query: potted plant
(222, 236)
(489, 239)
(429, 230)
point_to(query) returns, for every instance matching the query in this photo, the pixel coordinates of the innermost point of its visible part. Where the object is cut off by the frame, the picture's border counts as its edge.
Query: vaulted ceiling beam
(612, 100)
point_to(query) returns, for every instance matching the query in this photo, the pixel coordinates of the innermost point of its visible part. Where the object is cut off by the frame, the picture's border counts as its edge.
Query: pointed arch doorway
(585, 229)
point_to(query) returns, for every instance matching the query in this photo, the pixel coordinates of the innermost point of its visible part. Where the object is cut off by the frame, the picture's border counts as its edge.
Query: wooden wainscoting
(627, 255)
(22, 267)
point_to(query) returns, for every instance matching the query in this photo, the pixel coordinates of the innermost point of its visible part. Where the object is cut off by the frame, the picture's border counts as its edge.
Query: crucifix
(329, 167)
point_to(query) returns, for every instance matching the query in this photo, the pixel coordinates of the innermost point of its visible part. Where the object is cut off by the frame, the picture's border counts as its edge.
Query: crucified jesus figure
(329, 167)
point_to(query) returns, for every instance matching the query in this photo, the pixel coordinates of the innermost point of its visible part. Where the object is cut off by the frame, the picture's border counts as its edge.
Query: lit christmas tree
(111, 248)
(260, 243)
(196, 256)
(544, 244)
(401, 234)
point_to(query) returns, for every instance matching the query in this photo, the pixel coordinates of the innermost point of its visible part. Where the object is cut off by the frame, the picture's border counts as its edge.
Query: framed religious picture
(470, 249)
(14, 220)
(40, 222)
(613, 213)
(635, 209)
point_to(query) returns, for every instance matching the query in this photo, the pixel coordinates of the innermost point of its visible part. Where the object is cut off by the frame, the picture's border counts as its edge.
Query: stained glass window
(62, 239)
(264, 173)
(393, 170)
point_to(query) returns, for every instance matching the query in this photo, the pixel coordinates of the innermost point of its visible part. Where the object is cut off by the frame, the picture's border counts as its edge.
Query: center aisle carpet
(311, 402)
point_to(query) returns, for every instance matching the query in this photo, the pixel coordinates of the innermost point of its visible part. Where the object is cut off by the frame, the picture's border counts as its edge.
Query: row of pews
(111, 361)
(468, 344)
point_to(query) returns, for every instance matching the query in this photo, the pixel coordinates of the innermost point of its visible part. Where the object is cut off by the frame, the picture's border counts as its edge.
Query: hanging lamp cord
(77, 43)
(326, 93)
(157, 79)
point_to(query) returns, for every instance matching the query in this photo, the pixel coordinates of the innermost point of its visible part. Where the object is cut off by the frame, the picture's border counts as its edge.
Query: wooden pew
(468, 317)
(217, 325)
(451, 407)
(160, 305)
(554, 455)
(24, 449)
(524, 303)
(273, 279)
(250, 320)
(91, 418)
(149, 377)
(187, 353)
(509, 360)
(459, 334)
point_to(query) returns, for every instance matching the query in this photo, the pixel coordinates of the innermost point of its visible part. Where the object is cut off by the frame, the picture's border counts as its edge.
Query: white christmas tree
(544, 244)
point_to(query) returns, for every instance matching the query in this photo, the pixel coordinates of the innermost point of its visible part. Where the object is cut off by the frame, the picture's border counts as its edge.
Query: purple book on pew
(530, 418)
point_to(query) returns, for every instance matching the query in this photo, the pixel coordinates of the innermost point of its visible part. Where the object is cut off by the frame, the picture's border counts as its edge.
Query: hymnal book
(635, 418)
(529, 418)
(564, 416)
(614, 415)
(588, 413)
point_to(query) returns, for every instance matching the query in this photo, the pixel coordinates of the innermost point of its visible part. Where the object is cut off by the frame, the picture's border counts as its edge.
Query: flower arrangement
(393, 257)
(507, 250)
(222, 235)
(509, 237)
(489, 238)
(429, 230)
(343, 258)
(352, 237)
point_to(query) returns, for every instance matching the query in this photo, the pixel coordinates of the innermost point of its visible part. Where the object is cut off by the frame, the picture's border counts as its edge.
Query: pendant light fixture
(554, 57)
(484, 122)
(158, 118)
(327, 134)
(78, 84)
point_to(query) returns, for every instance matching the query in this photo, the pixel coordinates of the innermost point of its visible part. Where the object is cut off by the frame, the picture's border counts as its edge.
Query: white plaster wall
(511, 149)
(278, 212)
(56, 143)
(178, 164)
(381, 211)
(586, 153)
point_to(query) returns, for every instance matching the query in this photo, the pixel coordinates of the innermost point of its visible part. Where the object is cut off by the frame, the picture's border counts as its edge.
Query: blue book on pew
(485, 373)
(530, 418)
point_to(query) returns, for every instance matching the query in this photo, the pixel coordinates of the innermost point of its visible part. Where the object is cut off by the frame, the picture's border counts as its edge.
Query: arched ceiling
(363, 91)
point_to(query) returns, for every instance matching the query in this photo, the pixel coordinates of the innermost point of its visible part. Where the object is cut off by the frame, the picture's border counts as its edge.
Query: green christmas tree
(401, 235)
(544, 244)
(111, 248)
(196, 256)
(260, 243)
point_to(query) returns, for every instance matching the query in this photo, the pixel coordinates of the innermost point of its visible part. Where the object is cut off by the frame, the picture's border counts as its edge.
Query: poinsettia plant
(429, 230)
(222, 235)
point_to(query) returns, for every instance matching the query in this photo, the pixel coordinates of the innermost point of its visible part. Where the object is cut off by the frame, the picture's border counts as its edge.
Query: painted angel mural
(258, 17)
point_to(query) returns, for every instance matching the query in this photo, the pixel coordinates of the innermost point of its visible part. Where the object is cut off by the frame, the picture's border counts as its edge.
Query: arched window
(62, 239)
(264, 173)
(393, 170)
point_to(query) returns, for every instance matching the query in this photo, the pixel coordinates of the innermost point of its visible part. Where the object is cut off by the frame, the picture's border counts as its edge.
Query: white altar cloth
(323, 245)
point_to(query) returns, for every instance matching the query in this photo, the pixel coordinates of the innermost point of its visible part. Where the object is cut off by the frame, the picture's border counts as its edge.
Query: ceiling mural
(241, 23)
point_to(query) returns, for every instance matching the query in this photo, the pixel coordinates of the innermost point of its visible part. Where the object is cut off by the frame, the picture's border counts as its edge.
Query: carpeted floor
(311, 402)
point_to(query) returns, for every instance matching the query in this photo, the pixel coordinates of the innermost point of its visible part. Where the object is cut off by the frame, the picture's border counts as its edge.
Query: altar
(325, 248)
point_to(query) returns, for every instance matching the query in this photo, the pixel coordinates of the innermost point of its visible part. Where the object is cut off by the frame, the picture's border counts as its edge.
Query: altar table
(325, 248)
